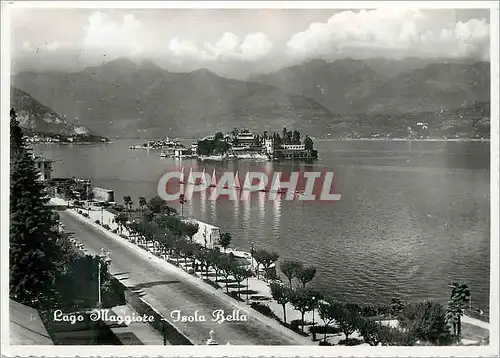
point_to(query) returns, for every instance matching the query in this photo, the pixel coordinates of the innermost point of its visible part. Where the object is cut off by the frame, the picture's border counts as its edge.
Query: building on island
(245, 138)
(287, 151)
(44, 167)
(293, 147)
(269, 146)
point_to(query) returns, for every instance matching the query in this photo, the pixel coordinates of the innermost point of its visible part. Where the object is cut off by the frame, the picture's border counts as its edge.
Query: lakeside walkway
(259, 289)
(168, 288)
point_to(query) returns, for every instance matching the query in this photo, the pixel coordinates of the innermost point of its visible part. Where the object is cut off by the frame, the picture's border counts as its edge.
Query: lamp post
(99, 300)
(182, 201)
(104, 256)
(251, 253)
(247, 287)
(164, 332)
(314, 306)
(102, 215)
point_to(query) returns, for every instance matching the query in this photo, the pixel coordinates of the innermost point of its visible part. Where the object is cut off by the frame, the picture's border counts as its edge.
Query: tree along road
(166, 290)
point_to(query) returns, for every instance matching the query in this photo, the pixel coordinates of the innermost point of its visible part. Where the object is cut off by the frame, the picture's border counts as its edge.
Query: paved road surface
(167, 291)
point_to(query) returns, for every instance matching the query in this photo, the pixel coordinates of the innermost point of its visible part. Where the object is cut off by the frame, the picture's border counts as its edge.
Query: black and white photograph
(317, 177)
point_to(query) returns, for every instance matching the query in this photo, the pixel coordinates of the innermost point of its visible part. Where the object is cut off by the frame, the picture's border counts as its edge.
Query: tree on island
(306, 274)
(296, 137)
(282, 295)
(308, 143)
(290, 268)
(225, 240)
(35, 248)
(159, 206)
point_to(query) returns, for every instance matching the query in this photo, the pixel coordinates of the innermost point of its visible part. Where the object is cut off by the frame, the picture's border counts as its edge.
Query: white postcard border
(251, 351)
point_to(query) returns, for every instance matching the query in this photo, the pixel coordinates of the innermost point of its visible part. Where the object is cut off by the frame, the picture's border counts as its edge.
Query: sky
(239, 42)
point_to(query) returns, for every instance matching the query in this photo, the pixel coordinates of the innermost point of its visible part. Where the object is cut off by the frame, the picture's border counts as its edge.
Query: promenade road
(167, 289)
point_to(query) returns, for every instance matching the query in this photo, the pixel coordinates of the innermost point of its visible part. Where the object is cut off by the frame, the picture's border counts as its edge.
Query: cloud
(390, 32)
(229, 47)
(51, 46)
(114, 37)
(188, 49)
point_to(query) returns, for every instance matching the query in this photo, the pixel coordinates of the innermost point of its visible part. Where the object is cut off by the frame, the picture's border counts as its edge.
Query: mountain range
(344, 98)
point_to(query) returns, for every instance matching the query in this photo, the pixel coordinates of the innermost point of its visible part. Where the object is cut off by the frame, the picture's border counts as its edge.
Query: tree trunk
(239, 296)
(290, 281)
(326, 329)
(303, 313)
(227, 285)
(459, 327)
(284, 313)
(346, 339)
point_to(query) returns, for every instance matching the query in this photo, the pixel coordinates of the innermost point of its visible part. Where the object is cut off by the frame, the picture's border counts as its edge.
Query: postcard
(249, 179)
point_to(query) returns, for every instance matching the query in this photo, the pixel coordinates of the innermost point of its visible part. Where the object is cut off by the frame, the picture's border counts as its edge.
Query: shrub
(295, 324)
(234, 295)
(97, 222)
(264, 309)
(106, 226)
(351, 342)
(212, 283)
(123, 236)
(114, 231)
(321, 329)
(427, 319)
(321, 343)
(86, 215)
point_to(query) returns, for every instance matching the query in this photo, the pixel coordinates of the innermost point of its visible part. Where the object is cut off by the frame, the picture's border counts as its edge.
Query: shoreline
(195, 280)
(260, 287)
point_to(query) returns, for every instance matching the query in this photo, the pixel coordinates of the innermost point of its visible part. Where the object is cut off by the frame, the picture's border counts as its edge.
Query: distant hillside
(335, 85)
(438, 86)
(470, 121)
(123, 99)
(36, 118)
(385, 86)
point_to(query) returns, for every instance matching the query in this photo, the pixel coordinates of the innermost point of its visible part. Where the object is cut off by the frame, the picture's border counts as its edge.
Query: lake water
(413, 216)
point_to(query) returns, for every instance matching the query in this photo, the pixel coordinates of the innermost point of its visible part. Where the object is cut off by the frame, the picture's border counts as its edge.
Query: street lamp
(102, 215)
(247, 288)
(103, 257)
(314, 305)
(251, 253)
(182, 201)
